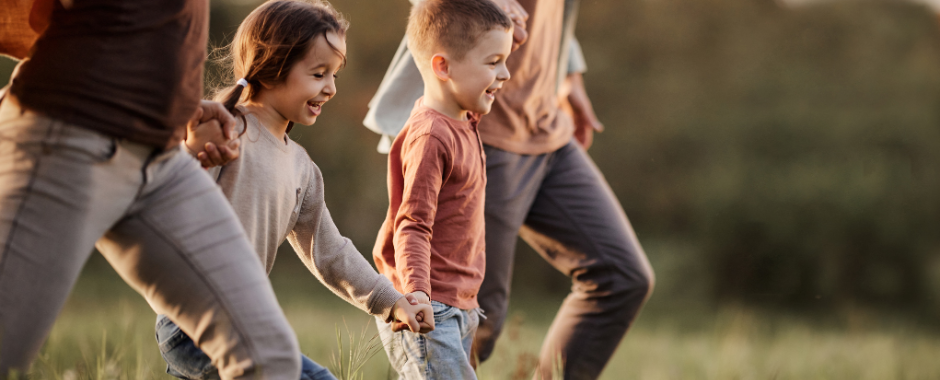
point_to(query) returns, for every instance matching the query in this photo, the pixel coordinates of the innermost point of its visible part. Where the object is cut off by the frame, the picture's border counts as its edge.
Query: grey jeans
(561, 205)
(156, 217)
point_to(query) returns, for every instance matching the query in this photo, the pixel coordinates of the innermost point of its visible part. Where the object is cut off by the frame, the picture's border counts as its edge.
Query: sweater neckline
(283, 146)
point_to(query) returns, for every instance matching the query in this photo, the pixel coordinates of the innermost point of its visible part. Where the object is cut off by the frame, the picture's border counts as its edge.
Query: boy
(432, 241)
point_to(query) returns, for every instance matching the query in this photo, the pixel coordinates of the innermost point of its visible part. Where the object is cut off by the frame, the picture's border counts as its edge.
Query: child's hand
(210, 135)
(413, 312)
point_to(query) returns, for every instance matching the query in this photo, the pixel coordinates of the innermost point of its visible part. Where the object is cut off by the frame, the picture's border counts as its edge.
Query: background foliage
(784, 158)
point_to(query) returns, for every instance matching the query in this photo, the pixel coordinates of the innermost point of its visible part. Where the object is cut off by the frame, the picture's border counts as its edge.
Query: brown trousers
(561, 205)
(158, 219)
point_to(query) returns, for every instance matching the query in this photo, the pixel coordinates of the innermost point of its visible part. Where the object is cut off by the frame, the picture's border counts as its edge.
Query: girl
(287, 54)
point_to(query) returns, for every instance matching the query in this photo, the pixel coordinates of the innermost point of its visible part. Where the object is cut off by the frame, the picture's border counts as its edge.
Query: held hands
(210, 135)
(413, 312)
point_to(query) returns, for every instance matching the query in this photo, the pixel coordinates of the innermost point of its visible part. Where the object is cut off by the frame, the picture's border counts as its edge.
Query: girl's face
(310, 83)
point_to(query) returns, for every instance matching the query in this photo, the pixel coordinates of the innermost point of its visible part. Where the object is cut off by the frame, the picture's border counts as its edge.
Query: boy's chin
(482, 109)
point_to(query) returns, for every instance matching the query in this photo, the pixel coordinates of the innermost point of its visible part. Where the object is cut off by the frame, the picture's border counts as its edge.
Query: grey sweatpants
(561, 205)
(158, 219)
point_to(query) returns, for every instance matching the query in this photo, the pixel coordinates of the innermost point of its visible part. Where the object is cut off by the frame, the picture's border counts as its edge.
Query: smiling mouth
(314, 107)
(491, 92)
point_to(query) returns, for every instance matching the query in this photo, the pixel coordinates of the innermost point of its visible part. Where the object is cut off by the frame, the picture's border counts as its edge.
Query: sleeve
(576, 62)
(423, 166)
(391, 106)
(334, 260)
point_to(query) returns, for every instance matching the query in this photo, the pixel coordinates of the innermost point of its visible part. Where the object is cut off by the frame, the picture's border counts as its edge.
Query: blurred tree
(794, 152)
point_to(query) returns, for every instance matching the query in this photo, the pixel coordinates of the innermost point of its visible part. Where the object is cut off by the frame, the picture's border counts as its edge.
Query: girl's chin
(308, 120)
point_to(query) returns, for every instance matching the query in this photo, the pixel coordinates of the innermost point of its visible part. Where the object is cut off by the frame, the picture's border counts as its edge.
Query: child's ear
(439, 64)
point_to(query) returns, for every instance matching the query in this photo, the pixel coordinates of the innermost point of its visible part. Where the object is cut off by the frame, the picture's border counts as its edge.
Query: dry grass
(106, 332)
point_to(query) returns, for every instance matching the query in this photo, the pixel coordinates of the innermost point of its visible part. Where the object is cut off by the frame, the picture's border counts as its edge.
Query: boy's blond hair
(452, 26)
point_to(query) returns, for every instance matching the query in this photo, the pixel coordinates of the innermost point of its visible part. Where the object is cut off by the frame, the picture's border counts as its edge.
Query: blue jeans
(186, 361)
(440, 354)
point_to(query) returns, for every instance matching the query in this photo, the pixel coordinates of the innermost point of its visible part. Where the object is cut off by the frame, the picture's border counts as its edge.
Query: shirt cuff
(417, 287)
(384, 299)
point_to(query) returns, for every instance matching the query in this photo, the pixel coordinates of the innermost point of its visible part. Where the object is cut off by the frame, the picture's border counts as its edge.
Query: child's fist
(413, 312)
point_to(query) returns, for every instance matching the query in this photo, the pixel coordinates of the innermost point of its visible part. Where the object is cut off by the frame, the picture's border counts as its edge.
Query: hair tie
(242, 82)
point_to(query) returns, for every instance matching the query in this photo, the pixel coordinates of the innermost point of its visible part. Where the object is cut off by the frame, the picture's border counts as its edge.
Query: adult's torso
(128, 69)
(526, 117)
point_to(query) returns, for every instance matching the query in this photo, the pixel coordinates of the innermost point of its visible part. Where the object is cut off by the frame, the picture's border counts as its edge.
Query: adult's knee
(617, 287)
(280, 359)
(274, 354)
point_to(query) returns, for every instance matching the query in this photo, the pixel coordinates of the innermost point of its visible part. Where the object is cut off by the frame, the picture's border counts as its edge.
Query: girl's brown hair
(273, 38)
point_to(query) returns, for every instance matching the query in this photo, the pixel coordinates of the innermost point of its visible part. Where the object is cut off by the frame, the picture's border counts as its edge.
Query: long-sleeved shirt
(433, 237)
(526, 117)
(277, 193)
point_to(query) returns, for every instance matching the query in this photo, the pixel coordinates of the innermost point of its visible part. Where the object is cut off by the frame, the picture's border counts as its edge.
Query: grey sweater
(277, 193)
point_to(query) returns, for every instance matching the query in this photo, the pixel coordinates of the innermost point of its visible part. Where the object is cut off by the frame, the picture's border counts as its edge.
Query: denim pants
(186, 361)
(442, 354)
(159, 220)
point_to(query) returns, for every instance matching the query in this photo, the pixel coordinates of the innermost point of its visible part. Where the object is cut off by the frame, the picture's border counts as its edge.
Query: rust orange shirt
(432, 238)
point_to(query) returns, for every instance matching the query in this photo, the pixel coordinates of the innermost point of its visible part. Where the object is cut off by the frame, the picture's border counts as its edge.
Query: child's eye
(318, 75)
(335, 76)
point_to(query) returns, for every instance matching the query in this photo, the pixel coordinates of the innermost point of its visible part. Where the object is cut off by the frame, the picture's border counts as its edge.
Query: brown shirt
(526, 117)
(128, 69)
(432, 238)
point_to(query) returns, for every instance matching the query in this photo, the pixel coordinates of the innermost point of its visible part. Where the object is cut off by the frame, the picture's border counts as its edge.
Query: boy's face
(475, 79)
(311, 82)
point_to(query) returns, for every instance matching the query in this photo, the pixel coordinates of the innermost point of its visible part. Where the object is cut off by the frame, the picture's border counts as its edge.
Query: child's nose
(330, 88)
(503, 75)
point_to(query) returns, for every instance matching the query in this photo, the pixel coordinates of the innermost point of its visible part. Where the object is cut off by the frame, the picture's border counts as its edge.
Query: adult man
(89, 156)
(542, 186)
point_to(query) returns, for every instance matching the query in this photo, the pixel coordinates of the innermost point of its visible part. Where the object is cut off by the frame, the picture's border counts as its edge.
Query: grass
(347, 362)
(106, 332)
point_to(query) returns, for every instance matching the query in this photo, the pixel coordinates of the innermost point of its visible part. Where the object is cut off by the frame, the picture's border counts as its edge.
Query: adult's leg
(61, 188)
(186, 361)
(512, 183)
(181, 246)
(577, 224)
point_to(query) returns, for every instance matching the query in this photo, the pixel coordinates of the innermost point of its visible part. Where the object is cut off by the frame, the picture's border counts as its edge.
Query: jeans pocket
(443, 311)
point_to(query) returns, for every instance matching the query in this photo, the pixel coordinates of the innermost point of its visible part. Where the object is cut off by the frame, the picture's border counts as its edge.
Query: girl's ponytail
(229, 98)
(234, 94)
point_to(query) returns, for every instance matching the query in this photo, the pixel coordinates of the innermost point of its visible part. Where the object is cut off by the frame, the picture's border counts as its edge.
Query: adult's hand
(578, 105)
(519, 16)
(210, 135)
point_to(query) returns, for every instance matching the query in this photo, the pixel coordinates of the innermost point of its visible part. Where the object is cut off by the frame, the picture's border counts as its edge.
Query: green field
(106, 332)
